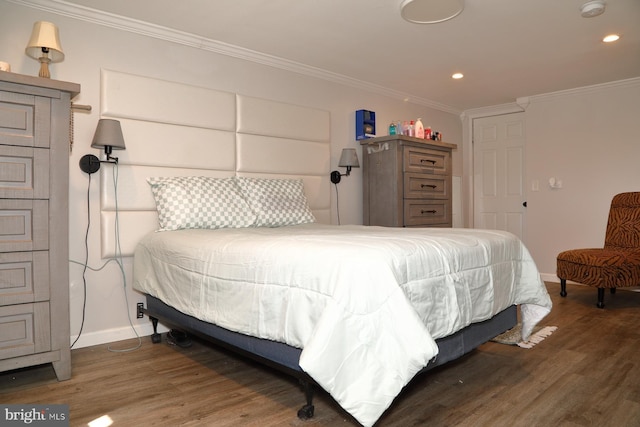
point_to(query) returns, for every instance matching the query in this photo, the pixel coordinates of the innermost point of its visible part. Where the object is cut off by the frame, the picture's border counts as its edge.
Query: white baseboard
(548, 277)
(116, 334)
(553, 278)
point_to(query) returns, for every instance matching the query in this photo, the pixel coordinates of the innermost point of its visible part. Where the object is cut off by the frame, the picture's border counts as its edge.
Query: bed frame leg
(155, 337)
(306, 412)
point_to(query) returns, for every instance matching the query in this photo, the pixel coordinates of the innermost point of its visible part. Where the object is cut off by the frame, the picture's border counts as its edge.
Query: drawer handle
(428, 185)
(432, 211)
(433, 162)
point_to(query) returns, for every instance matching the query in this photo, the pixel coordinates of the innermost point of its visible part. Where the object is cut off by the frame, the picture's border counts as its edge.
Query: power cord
(337, 203)
(117, 259)
(120, 264)
(86, 262)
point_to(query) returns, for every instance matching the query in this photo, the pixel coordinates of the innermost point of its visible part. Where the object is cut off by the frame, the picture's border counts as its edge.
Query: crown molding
(493, 110)
(522, 103)
(135, 26)
(584, 90)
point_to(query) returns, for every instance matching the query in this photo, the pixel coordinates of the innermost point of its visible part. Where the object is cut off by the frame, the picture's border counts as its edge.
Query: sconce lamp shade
(108, 134)
(44, 45)
(349, 158)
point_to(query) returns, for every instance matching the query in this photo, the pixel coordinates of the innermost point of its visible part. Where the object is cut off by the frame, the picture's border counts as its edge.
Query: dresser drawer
(24, 173)
(427, 212)
(24, 120)
(24, 277)
(24, 225)
(424, 186)
(424, 160)
(24, 329)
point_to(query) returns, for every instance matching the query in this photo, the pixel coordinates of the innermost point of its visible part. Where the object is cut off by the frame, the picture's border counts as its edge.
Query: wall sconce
(44, 45)
(108, 136)
(348, 159)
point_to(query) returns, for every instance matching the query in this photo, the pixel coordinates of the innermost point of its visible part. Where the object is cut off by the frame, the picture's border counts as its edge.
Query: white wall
(91, 47)
(589, 139)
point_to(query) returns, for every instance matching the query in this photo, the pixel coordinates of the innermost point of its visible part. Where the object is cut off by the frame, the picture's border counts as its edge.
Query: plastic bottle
(392, 129)
(419, 129)
(427, 132)
(412, 128)
(405, 128)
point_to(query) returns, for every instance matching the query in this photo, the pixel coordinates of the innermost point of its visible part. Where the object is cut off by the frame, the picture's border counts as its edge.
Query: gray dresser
(34, 222)
(406, 182)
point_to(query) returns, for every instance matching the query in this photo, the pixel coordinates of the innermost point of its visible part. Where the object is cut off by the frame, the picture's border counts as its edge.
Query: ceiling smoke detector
(592, 8)
(430, 11)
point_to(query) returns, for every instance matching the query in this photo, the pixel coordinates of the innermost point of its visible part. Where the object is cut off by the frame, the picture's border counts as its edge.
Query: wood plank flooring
(586, 374)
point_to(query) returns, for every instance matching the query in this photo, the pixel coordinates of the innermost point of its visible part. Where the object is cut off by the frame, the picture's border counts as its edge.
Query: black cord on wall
(117, 260)
(337, 203)
(86, 262)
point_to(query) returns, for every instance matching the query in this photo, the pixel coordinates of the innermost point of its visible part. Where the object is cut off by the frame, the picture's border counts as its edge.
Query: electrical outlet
(140, 312)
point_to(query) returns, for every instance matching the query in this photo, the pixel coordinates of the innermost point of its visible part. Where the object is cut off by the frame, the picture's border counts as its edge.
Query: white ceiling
(506, 48)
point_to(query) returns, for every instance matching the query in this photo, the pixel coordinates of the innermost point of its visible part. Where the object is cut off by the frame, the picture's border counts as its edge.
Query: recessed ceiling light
(611, 38)
(457, 76)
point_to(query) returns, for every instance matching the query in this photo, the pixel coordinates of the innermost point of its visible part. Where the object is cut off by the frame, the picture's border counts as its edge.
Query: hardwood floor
(586, 374)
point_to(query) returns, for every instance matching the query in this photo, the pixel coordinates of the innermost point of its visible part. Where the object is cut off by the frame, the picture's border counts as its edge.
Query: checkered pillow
(199, 202)
(276, 202)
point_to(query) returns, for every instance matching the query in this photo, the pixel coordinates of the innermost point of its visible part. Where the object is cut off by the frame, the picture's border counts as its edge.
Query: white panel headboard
(174, 129)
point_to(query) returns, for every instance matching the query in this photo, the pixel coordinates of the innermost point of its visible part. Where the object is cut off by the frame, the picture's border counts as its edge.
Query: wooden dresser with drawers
(406, 182)
(34, 222)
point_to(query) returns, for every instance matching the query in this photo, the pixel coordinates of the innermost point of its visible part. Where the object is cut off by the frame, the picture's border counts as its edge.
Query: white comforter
(364, 303)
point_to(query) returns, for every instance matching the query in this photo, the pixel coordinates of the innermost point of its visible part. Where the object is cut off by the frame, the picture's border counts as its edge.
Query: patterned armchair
(616, 265)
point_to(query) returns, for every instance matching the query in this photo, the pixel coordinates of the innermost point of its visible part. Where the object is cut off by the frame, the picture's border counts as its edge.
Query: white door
(498, 165)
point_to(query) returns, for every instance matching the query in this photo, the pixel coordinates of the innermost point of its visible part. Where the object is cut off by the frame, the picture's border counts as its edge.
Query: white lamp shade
(45, 34)
(349, 157)
(108, 134)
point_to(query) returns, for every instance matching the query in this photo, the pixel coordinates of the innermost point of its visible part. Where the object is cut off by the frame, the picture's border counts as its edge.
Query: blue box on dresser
(365, 124)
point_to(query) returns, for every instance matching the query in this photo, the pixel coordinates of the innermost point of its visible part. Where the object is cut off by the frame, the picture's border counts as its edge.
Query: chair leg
(600, 298)
(563, 287)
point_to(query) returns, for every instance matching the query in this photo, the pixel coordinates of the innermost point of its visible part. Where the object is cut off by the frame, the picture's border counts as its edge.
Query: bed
(343, 278)
(357, 310)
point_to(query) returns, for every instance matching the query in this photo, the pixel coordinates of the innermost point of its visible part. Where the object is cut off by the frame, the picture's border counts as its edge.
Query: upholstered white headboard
(175, 129)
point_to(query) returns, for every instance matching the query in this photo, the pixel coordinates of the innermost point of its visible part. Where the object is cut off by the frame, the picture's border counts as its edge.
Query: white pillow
(276, 202)
(199, 202)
